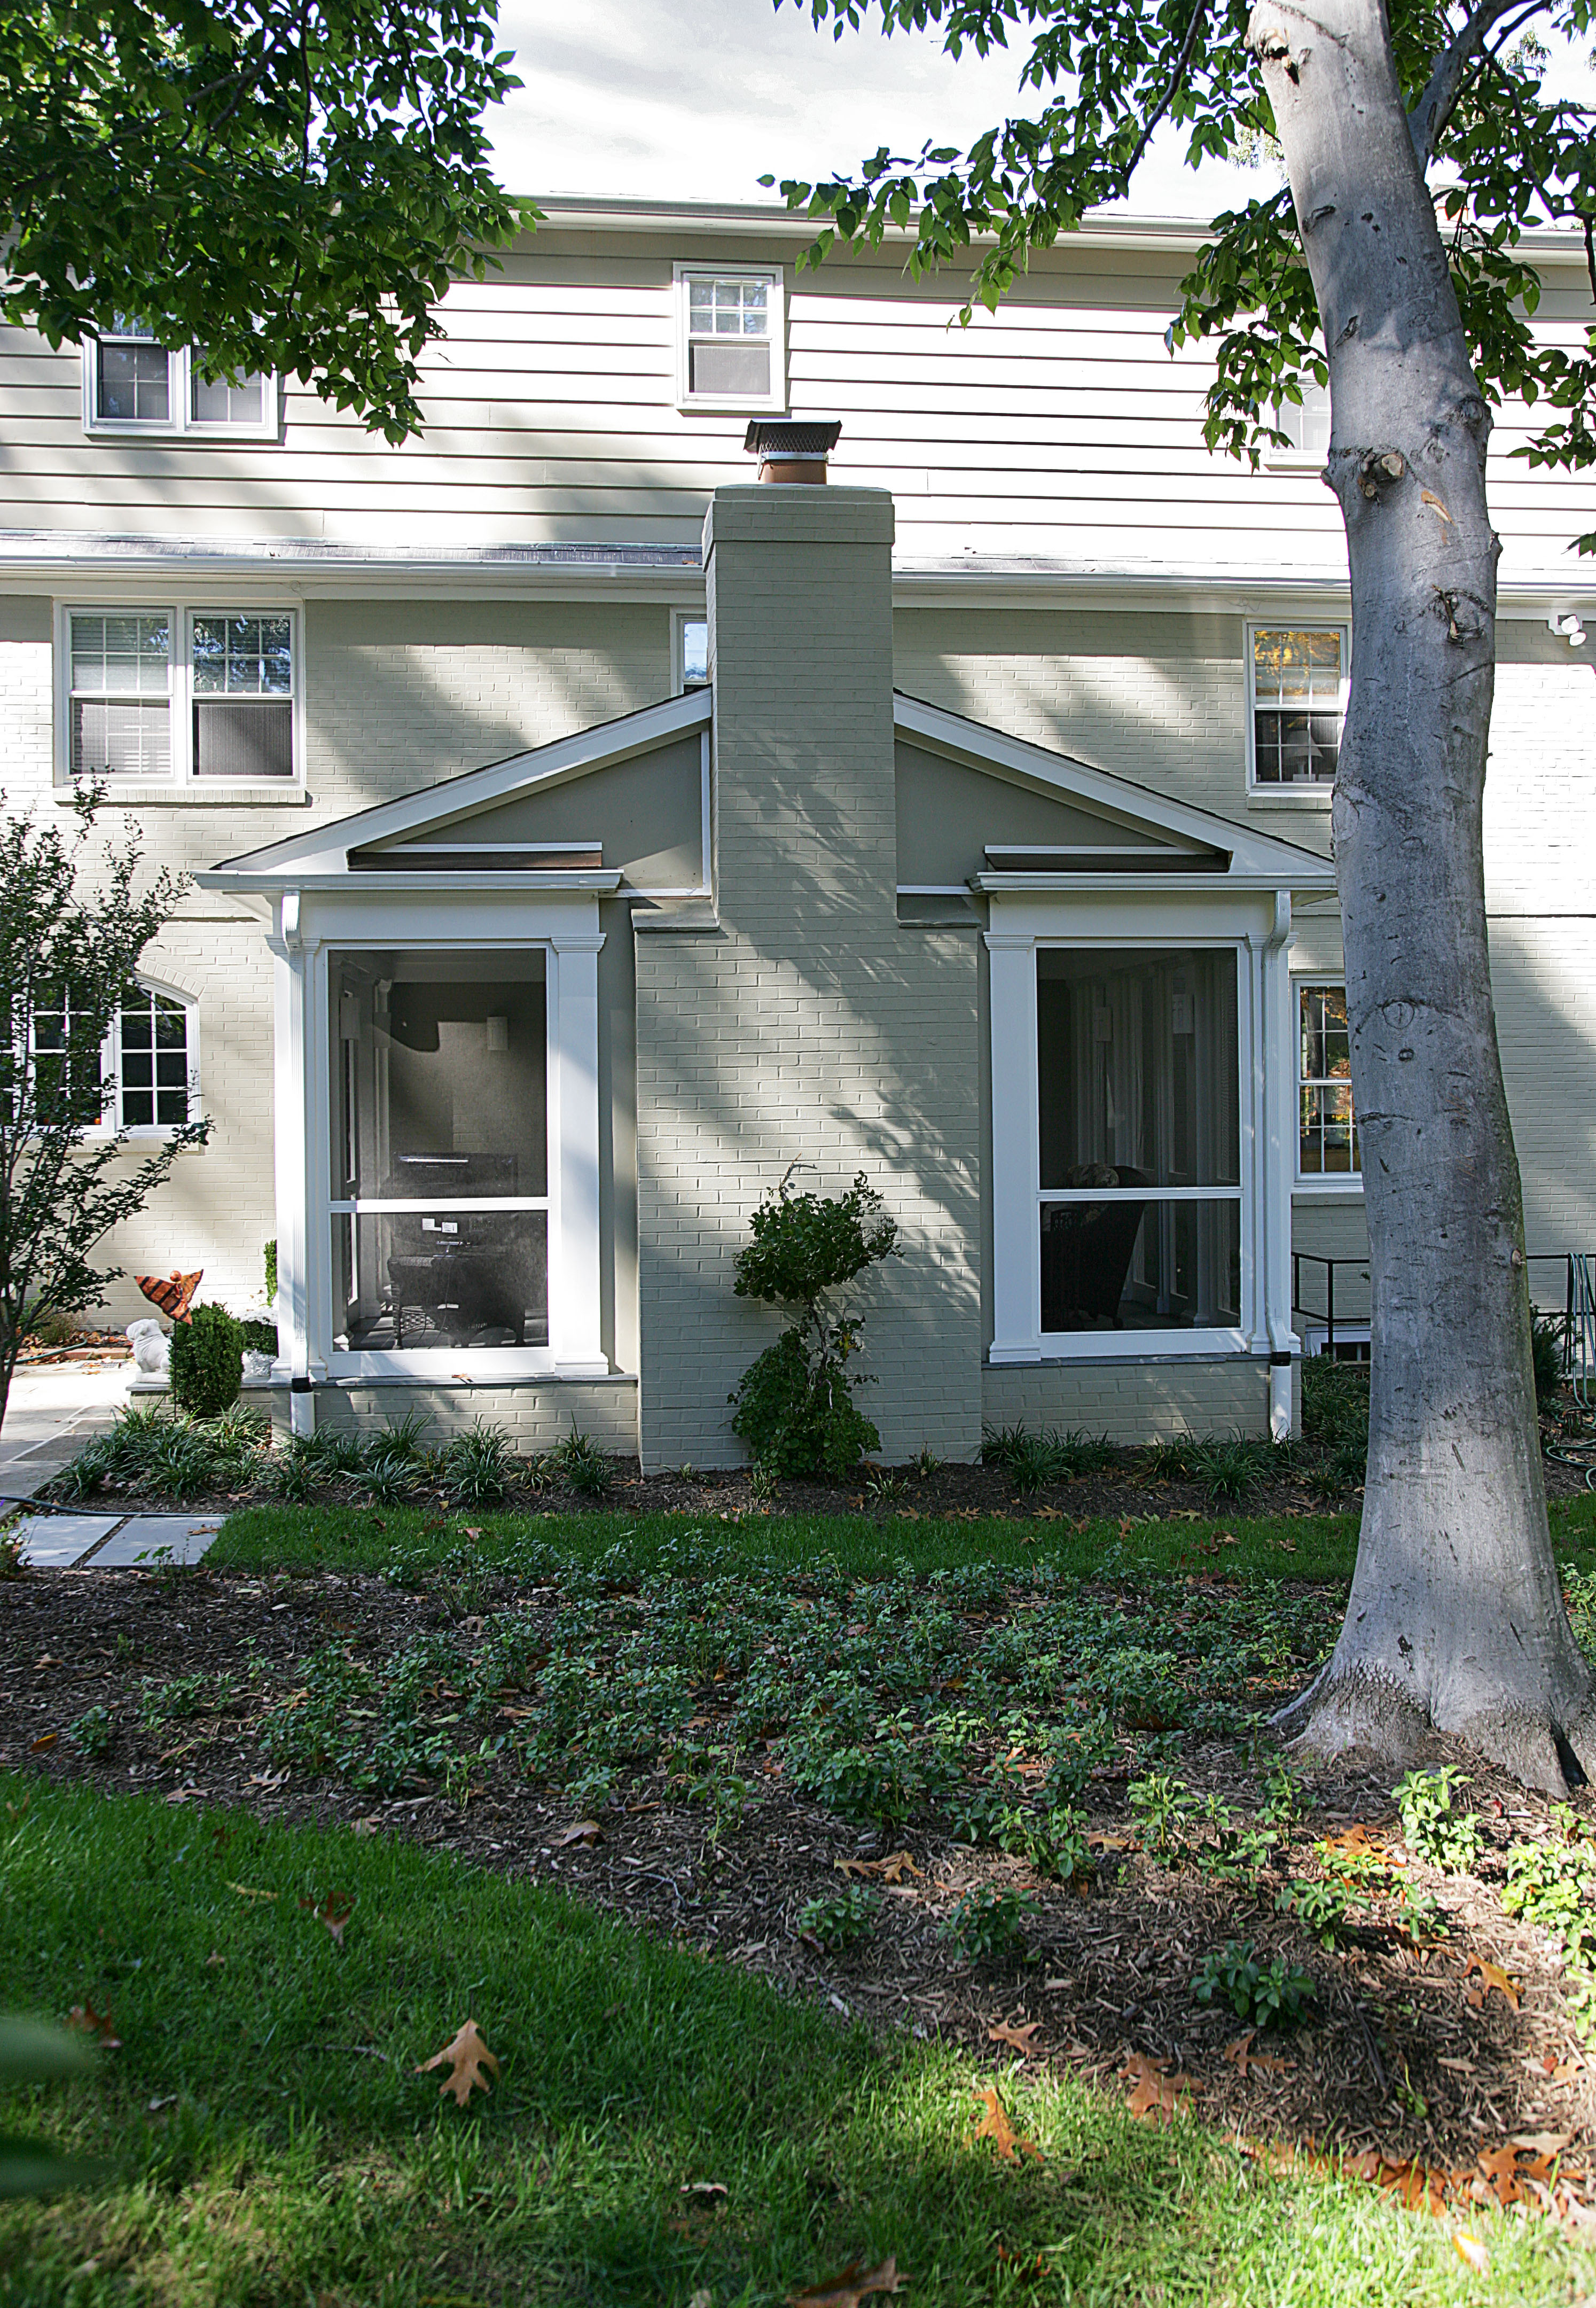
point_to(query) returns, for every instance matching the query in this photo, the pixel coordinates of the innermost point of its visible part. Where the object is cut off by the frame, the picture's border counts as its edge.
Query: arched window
(152, 1063)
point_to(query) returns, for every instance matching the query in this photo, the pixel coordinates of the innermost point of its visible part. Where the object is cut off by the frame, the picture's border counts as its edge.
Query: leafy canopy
(282, 184)
(1503, 156)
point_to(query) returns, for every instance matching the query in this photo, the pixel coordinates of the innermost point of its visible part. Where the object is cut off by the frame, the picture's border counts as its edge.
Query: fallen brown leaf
(1500, 2167)
(247, 1892)
(585, 1832)
(895, 1866)
(1360, 1842)
(213, 1961)
(98, 2024)
(1491, 1976)
(1018, 2039)
(702, 2188)
(995, 2126)
(1242, 2053)
(466, 2056)
(43, 1661)
(334, 1911)
(45, 1739)
(847, 2288)
(1543, 2143)
(1154, 2095)
(1470, 2248)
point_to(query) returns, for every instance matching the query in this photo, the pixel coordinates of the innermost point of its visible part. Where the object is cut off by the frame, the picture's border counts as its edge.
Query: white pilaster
(1017, 1253)
(574, 1250)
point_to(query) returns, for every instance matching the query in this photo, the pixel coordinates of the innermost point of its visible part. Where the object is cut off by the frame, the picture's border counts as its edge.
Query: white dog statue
(151, 1348)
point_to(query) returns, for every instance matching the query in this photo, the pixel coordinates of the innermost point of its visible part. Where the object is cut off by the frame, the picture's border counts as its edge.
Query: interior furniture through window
(439, 1196)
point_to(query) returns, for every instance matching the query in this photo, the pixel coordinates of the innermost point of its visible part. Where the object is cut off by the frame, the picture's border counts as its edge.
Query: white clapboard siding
(1058, 428)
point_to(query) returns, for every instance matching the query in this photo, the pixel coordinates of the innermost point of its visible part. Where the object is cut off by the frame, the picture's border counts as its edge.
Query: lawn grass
(268, 2140)
(1311, 1548)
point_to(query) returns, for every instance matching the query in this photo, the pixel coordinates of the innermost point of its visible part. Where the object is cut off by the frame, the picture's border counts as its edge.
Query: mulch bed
(1413, 2059)
(967, 1492)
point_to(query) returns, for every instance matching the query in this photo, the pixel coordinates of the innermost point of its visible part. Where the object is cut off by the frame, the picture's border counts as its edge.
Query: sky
(695, 100)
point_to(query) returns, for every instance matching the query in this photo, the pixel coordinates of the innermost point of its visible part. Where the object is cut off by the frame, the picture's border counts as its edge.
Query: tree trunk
(1456, 1619)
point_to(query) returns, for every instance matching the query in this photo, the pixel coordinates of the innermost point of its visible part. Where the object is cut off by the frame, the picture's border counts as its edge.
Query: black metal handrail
(1326, 1313)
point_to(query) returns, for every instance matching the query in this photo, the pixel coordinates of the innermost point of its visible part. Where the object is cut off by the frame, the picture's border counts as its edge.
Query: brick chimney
(804, 1024)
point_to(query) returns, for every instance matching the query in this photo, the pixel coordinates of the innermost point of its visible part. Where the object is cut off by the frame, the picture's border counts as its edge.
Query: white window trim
(1295, 461)
(180, 780)
(110, 1069)
(1258, 933)
(771, 404)
(179, 426)
(309, 927)
(1303, 797)
(1333, 1185)
(680, 620)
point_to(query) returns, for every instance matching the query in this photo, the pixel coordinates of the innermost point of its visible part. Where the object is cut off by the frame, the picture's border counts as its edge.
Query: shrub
(268, 1256)
(1261, 1993)
(207, 1361)
(1336, 1403)
(1546, 1347)
(795, 1407)
(1178, 1458)
(92, 1731)
(1320, 1908)
(841, 1918)
(1431, 1828)
(259, 1338)
(989, 1924)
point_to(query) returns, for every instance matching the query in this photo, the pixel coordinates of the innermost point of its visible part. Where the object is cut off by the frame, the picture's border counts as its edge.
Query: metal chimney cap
(785, 440)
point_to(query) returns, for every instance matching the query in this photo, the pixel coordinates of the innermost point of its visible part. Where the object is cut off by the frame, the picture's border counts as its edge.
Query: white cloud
(695, 100)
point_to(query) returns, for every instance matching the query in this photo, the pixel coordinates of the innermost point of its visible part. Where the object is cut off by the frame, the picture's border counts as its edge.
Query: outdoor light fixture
(498, 1034)
(1567, 626)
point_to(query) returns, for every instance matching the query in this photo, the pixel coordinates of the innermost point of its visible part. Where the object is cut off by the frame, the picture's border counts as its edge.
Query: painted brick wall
(810, 1025)
(534, 1416)
(1135, 1402)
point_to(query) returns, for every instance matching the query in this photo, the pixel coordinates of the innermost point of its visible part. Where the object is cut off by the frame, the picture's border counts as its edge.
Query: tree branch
(1198, 15)
(1439, 100)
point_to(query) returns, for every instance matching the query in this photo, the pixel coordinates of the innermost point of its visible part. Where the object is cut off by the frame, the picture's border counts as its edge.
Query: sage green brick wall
(1137, 1402)
(808, 1025)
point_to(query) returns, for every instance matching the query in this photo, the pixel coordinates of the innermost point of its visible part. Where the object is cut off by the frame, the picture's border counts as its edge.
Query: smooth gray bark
(1456, 1619)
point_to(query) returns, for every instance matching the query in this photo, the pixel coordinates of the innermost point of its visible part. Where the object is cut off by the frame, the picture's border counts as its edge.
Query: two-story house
(584, 829)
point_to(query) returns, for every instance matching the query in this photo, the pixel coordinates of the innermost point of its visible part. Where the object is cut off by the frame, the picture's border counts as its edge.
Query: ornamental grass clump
(795, 1407)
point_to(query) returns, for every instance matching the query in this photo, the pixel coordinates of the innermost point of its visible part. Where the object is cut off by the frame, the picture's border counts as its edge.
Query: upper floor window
(1328, 1131)
(1296, 678)
(1305, 424)
(176, 694)
(133, 385)
(729, 339)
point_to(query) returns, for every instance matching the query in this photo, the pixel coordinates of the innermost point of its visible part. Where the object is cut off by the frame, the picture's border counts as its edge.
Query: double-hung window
(1296, 677)
(134, 386)
(181, 695)
(1140, 1164)
(729, 339)
(1327, 1129)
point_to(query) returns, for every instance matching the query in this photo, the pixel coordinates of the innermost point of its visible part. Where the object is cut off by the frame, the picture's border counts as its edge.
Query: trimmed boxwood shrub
(207, 1361)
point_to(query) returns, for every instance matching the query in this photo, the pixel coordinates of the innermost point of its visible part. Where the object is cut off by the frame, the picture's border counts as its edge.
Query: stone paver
(144, 1538)
(50, 1412)
(53, 1542)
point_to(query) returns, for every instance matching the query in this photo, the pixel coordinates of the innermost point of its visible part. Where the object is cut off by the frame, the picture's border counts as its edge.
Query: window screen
(242, 692)
(1327, 1140)
(222, 403)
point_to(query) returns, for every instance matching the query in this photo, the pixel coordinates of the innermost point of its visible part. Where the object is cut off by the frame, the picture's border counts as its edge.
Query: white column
(1016, 1241)
(289, 1126)
(574, 1263)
